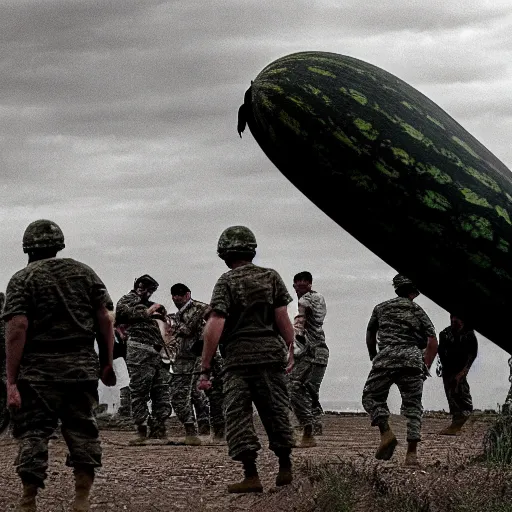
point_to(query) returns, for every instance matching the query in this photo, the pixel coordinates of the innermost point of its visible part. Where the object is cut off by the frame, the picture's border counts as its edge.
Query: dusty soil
(167, 478)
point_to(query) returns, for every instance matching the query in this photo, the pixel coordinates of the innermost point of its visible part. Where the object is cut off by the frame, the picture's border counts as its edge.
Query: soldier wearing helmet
(249, 318)
(398, 327)
(55, 309)
(149, 375)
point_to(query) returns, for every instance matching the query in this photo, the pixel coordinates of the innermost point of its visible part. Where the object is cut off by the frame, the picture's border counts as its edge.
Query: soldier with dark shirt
(149, 375)
(249, 316)
(399, 327)
(458, 348)
(55, 309)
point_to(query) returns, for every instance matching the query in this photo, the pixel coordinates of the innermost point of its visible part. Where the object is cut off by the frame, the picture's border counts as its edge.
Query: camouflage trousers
(264, 386)
(149, 380)
(42, 406)
(304, 383)
(185, 397)
(459, 398)
(410, 384)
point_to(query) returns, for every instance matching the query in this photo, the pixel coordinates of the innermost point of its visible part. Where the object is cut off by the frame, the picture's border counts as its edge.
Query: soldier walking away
(55, 309)
(149, 375)
(248, 304)
(4, 411)
(399, 327)
(311, 357)
(458, 348)
(188, 332)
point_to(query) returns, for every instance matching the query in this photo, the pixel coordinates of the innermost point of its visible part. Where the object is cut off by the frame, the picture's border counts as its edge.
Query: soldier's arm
(15, 339)
(472, 350)
(371, 335)
(212, 333)
(430, 332)
(130, 310)
(299, 321)
(430, 351)
(284, 325)
(105, 336)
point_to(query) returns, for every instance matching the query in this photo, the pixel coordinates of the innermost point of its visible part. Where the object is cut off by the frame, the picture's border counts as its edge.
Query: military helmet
(399, 280)
(236, 239)
(43, 234)
(147, 281)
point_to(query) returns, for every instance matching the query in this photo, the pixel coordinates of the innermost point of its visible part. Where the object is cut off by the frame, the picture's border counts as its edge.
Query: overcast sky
(118, 121)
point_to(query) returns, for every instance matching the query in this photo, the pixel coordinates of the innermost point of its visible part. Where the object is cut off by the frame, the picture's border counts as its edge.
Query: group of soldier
(241, 350)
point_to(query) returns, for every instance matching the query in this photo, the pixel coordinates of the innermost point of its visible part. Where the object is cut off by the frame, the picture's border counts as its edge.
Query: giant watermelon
(395, 171)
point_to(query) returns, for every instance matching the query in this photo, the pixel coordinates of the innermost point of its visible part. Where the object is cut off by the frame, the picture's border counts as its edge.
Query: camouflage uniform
(188, 330)
(254, 358)
(149, 376)
(402, 328)
(59, 370)
(456, 352)
(4, 412)
(310, 365)
(508, 400)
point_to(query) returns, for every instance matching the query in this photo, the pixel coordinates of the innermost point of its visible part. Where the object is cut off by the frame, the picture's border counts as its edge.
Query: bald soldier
(55, 309)
(249, 318)
(398, 327)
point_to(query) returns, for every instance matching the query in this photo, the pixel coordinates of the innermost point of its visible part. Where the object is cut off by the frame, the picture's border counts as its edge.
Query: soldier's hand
(291, 362)
(13, 396)
(155, 307)
(108, 376)
(204, 383)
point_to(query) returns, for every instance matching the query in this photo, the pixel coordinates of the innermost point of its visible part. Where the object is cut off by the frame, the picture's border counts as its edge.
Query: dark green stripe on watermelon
(397, 172)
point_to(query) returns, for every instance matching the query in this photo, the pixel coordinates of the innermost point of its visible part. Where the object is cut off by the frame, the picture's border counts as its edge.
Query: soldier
(401, 327)
(55, 309)
(248, 304)
(458, 348)
(311, 358)
(187, 332)
(506, 409)
(149, 376)
(4, 412)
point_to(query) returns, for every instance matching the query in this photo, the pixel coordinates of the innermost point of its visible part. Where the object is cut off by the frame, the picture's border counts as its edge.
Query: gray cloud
(118, 120)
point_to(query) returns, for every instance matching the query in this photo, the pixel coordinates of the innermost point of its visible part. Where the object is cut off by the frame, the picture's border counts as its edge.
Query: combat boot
(203, 428)
(191, 438)
(387, 445)
(455, 427)
(308, 439)
(411, 457)
(251, 482)
(83, 484)
(284, 477)
(142, 435)
(157, 431)
(218, 434)
(27, 501)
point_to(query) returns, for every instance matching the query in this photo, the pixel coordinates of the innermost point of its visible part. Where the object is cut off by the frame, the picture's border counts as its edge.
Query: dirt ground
(168, 478)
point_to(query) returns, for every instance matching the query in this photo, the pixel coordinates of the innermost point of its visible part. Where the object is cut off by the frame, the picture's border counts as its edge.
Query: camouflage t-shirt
(188, 329)
(309, 323)
(59, 297)
(247, 296)
(132, 311)
(402, 327)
